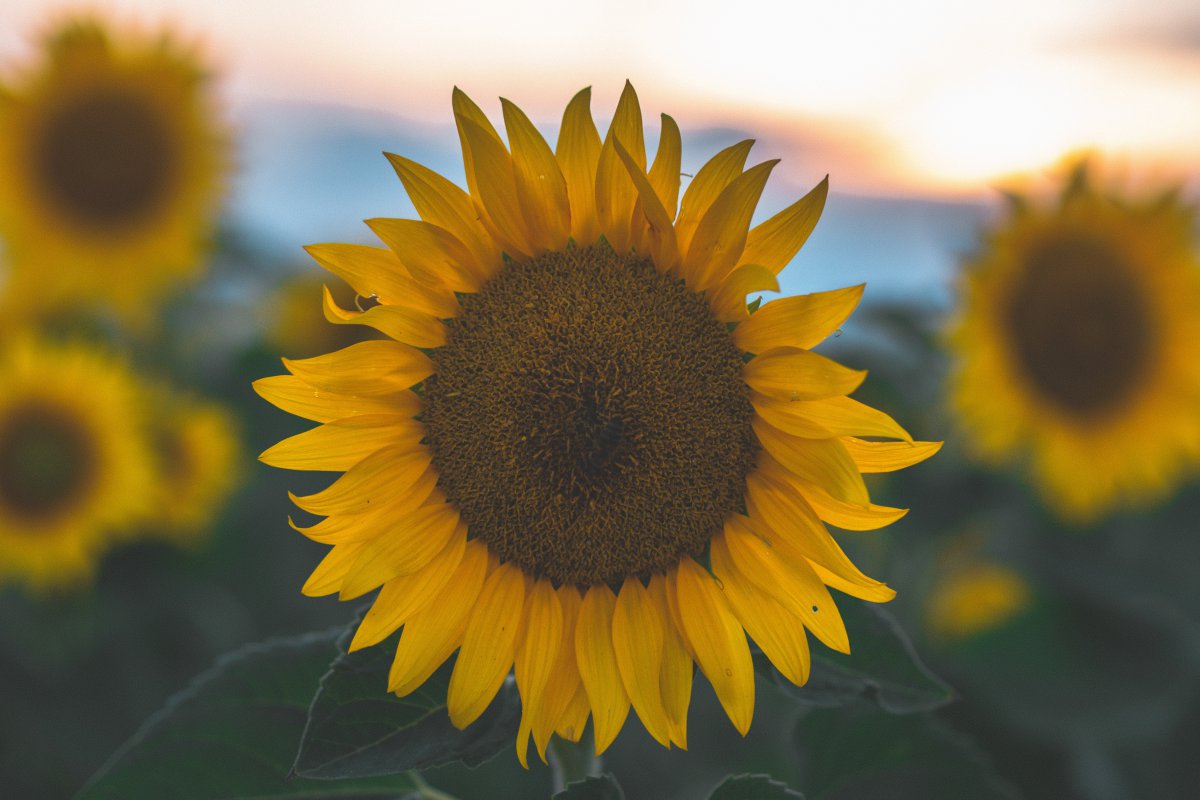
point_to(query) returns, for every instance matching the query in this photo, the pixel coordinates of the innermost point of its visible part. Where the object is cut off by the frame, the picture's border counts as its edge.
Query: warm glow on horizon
(923, 97)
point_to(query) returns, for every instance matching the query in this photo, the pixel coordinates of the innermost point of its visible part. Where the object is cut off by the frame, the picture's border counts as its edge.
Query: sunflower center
(588, 417)
(47, 461)
(1081, 325)
(107, 159)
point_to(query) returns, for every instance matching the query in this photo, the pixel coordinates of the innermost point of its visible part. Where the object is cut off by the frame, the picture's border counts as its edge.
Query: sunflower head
(74, 471)
(113, 161)
(576, 455)
(1074, 345)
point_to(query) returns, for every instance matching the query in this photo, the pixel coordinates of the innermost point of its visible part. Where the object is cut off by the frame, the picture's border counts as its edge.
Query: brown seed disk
(47, 462)
(588, 417)
(107, 159)
(1081, 326)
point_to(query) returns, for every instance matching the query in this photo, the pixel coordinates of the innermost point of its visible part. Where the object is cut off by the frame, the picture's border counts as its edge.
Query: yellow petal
(791, 526)
(720, 237)
(432, 254)
(465, 108)
(431, 634)
(838, 513)
(598, 665)
(574, 719)
(664, 173)
(339, 445)
(496, 183)
(790, 374)
(378, 272)
(578, 152)
(488, 645)
(729, 301)
(795, 586)
(375, 367)
(662, 232)
(637, 634)
(627, 125)
(377, 479)
(564, 683)
(675, 682)
(405, 595)
(411, 544)
(541, 187)
(710, 180)
(824, 462)
(537, 654)
(328, 576)
(295, 396)
(888, 456)
(802, 321)
(342, 528)
(615, 197)
(442, 203)
(821, 419)
(405, 325)
(776, 241)
(778, 632)
(717, 638)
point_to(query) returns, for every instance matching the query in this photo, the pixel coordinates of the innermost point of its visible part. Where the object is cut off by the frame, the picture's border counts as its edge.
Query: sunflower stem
(427, 792)
(572, 761)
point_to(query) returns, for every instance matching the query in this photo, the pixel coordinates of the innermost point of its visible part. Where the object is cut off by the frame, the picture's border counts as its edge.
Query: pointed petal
(664, 173)
(295, 396)
(466, 109)
(718, 639)
(778, 632)
(343, 528)
(729, 301)
(411, 544)
(368, 368)
(790, 374)
(637, 633)
(838, 513)
(405, 325)
(432, 254)
(378, 272)
(541, 188)
(775, 242)
(720, 237)
(403, 596)
(675, 682)
(710, 180)
(431, 634)
(537, 653)
(662, 232)
(496, 183)
(822, 419)
(574, 719)
(564, 682)
(379, 478)
(824, 462)
(888, 456)
(489, 645)
(578, 153)
(802, 321)
(339, 445)
(328, 576)
(615, 198)
(598, 665)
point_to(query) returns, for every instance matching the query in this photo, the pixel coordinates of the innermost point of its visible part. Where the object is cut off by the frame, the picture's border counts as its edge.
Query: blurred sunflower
(1076, 346)
(196, 447)
(74, 469)
(113, 162)
(973, 598)
(578, 454)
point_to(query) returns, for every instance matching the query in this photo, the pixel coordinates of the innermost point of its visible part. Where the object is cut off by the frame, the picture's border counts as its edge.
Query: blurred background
(1048, 566)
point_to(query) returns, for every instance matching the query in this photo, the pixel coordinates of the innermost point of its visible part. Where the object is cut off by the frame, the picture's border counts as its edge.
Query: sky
(892, 97)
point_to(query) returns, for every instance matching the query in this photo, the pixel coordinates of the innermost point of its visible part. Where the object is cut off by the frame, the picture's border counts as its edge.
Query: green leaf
(356, 728)
(604, 787)
(753, 787)
(855, 752)
(882, 666)
(233, 733)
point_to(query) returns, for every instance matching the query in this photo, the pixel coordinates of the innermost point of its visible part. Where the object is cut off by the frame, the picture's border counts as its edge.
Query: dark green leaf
(753, 787)
(882, 666)
(356, 728)
(604, 787)
(234, 732)
(855, 752)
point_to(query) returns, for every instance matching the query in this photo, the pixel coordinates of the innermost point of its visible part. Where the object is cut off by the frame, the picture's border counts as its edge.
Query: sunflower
(196, 446)
(74, 469)
(577, 456)
(113, 164)
(975, 597)
(1076, 346)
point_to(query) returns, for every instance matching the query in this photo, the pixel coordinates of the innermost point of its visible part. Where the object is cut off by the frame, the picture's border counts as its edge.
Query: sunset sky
(894, 98)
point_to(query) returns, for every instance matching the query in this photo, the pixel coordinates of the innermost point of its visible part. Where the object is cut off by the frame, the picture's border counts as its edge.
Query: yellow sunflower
(113, 161)
(577, 455)
(196, 450)
(74, 469)
(1076, 346)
